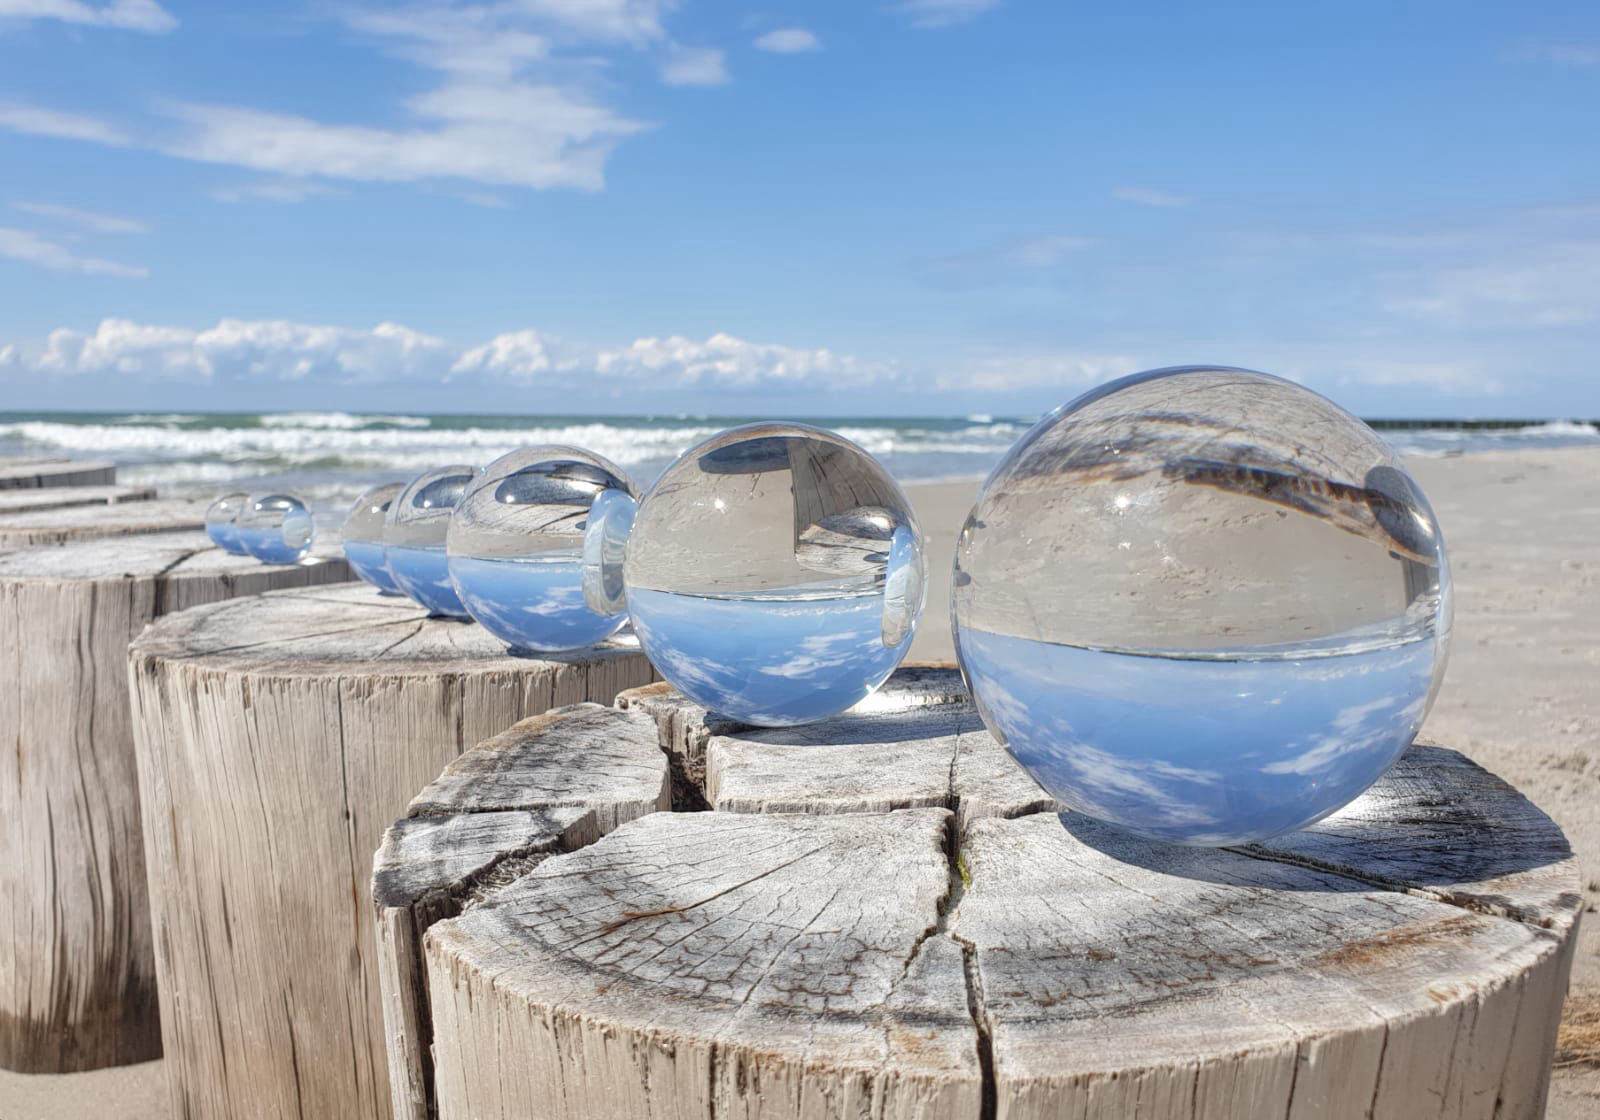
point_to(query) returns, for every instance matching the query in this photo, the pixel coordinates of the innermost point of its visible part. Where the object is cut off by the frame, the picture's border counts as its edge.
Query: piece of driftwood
(32, 528)
(801, 952)
(36, 474)
(278, 737)
(77, 969)
(61, 497)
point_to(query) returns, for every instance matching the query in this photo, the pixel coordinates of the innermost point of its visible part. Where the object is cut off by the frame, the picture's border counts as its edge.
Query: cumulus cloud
(127, 15)
(694, 66)
(88, 219)
(943, 13)
(1144, 196)
(20, 245)
(727, 362)
(788, 40)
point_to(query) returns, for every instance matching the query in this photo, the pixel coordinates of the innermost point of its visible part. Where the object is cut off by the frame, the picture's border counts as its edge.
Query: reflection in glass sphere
(516, 547)
(363, 536)
(774, 574)
(275, 528)
(222, 518)
(1205, 604)
(414, 534)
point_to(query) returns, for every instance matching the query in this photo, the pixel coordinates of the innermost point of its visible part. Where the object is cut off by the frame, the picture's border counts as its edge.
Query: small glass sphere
(363, 536)
(1206, 605)
(515, 547)
(275, 528)
(222, 518)
(414, 535)
(774, 574)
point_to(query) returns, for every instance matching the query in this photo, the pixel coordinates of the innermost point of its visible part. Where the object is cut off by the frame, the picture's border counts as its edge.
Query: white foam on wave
(1565, 429)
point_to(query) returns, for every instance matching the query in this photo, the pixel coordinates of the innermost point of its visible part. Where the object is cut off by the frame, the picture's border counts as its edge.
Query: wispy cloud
(694, 66)
(943, 13)
(35, 121)
(274, 190)
(788, 40)
(1561, 54)
(88, 219)
(1027, 372)
(1033, 253)
(1144, 196)
(127, 15)
(30, 248)
(1554, 284)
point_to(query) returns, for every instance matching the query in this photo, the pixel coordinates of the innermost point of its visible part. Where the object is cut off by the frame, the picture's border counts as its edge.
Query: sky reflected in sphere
(275, 528)
(222, 517)
(1207, 605)
(363, 536)
(414, 532)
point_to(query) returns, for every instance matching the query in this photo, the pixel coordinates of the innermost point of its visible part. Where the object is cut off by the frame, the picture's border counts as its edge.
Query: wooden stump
(34, 474)
(33, 528)
(61, 497)
(277, 738)
(77, 970)
(802, 952)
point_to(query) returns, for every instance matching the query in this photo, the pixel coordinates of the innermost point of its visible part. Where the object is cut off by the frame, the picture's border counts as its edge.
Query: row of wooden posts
(332, 858)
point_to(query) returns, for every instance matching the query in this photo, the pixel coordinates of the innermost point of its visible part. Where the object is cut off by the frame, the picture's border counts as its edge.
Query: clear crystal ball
(516, 542)
(414, 537)
(222, 518)
(275, 528)
(774, 573)
(363, 536)
(1207, 605)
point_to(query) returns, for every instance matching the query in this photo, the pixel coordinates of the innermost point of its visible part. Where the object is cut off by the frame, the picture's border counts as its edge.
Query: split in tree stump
(62, 497)
(34, 528)
(800, 952)
(35, 474)
(277, 738)
(77, 970)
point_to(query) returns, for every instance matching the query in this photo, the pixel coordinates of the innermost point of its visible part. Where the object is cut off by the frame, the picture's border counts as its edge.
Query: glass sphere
(275, 528)
(222, 518)
(1206, 605)
(515, 547)
(414, 535)
(363, 536)
(774, 574)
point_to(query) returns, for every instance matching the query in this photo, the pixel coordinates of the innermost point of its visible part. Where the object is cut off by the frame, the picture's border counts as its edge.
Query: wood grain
(37, 474)
(34, 528)
(63, 497)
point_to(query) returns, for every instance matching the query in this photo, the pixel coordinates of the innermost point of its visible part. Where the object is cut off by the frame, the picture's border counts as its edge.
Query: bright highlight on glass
(363, 536)
(275, 528)
(222, 518)
(774, 573)
(516, 547)
(1207, 605)
(414, 537)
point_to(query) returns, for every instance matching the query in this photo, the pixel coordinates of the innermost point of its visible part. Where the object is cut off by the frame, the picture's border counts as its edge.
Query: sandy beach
(1521, 697)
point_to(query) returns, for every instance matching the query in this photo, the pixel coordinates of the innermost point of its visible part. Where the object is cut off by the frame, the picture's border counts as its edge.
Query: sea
(326, 455)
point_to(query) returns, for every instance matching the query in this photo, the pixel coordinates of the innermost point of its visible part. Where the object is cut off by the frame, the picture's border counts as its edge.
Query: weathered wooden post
(60, 497)
(34, 474)
(77, 970)
(802, 952)
(277, 738)
(35, 527)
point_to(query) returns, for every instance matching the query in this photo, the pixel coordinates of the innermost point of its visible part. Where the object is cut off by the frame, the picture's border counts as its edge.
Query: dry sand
(1522, 697)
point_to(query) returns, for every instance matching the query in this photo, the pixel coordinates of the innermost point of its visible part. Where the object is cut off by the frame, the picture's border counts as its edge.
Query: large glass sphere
(222, 518)
(414, 535)
(275, 528)
(363, 536)
(1207, 605)
(774, 574)
(515, 547)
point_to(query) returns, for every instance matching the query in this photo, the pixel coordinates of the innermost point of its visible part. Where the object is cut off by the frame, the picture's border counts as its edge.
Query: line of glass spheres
(1204, 604)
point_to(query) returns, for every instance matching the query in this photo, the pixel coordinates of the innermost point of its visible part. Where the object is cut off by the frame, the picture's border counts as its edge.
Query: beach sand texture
(1521, 697)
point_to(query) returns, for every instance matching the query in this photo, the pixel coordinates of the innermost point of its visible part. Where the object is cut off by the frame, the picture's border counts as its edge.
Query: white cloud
(724, 361)
(35, 121)
(273, 190)
(128, 15)
(1038, 371)
(20, 245)
(788, 40)
(514, 356)
(1552, 285)
(88, 219)
(694, 66)
(1143, 196)
(944, 13)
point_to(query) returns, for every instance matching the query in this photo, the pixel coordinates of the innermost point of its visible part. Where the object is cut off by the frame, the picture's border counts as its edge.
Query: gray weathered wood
(77, 969)
(34, 474)
(32, 528)
(277, 738)
(554, 782)
(61, 497)
(1406, 957)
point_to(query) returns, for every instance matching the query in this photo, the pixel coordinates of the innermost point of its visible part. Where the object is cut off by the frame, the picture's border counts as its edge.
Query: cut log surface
(32, 528)
(77, 969)
(37, 474)
(278, 737)
(879, 919)
(61, 497)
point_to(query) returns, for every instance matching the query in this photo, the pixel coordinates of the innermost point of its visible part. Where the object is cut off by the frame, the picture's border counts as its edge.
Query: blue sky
(885, 206)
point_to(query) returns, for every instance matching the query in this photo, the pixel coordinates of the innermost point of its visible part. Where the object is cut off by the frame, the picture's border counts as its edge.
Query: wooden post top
(60, 497)
(30, 528)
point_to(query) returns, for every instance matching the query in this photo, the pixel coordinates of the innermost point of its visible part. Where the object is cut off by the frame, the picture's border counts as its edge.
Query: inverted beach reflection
(532, 602)
(424, 575)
